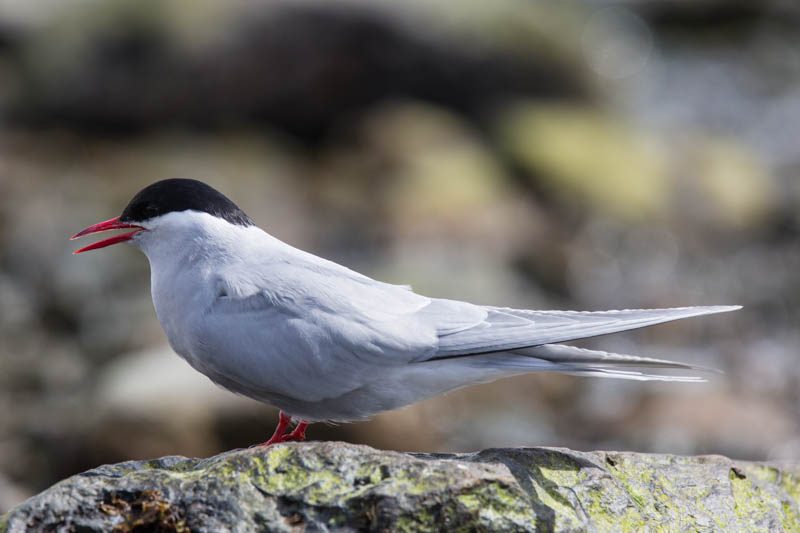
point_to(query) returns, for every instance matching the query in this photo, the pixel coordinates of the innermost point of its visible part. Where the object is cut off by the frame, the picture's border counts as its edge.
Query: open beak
(114, 223)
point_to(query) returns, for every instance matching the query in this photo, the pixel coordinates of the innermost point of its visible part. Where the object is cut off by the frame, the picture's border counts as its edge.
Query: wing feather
(506, 329)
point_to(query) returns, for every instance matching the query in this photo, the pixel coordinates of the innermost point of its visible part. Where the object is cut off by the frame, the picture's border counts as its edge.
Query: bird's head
(147, 213)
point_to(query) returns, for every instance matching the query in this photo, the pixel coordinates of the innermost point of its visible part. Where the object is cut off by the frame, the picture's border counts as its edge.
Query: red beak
(114, 223)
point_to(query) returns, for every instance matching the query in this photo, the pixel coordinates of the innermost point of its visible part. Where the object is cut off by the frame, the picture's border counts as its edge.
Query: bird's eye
(151, 210)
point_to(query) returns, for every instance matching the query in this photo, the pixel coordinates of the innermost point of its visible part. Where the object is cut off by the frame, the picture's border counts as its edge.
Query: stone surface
(327, 486)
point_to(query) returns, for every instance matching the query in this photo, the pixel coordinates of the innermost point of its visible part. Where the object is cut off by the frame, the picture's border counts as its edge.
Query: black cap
(170, 195)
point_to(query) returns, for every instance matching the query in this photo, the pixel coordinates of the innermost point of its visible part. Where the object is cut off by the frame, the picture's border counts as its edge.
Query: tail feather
(572, 355)
(637, 376)
(582, 362)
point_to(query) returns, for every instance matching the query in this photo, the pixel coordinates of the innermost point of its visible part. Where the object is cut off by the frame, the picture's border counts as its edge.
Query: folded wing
(504, 329)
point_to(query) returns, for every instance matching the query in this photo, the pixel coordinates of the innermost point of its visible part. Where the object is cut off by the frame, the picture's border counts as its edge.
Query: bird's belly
(359, 404)
(299, 397)
(272, 360)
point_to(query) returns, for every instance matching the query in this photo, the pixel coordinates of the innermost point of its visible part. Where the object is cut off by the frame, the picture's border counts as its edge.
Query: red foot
(298, 434)
(280, 435)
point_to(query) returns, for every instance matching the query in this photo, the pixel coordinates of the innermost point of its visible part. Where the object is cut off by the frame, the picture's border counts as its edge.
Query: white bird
(324, 343)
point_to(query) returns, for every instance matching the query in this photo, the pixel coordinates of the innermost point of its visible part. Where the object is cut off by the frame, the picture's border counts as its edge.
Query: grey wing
(326, 337)
(512, 341)
(504, 329)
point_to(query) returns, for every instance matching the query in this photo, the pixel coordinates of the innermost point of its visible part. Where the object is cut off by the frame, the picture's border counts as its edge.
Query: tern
(322, 342)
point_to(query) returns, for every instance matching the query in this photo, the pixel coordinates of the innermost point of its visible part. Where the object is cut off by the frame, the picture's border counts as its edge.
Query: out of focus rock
(725, 184)
(150, 382)
(676, 423)
(151, 402)
(307, 68)
(11, 494)
(585, 154)
(439, 174)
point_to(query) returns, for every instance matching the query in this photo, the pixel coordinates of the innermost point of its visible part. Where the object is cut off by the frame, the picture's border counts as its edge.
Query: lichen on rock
(327, 486)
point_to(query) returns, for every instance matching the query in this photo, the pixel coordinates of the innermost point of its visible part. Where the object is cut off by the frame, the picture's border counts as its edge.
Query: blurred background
(571, 155)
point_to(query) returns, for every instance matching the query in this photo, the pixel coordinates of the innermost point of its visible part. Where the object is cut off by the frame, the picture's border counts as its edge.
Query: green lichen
(661, 491)
(564, 511)
(752, 504)
(603, 518)
(791, 518)
(561, 470)
(718, 520)
(319, 486)
(496, 503)
(278, 455)
(470, 501)
(767, 474)
(410, 524)
(372, 473)
(791, 484)
(421, 478)
(638, 483)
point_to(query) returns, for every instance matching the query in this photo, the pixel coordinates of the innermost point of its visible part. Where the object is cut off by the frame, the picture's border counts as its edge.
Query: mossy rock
(331, 486)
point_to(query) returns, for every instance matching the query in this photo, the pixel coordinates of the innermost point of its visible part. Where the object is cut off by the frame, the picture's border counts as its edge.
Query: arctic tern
(324, 343)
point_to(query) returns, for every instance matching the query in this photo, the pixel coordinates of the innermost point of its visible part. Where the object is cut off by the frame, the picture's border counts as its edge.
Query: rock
(589, 155)
(326, 486)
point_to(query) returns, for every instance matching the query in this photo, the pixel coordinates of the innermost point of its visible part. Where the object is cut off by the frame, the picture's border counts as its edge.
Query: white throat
(190, 255)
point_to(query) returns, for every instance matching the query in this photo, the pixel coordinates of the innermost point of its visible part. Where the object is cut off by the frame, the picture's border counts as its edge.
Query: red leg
(298, 434)
(279, 436)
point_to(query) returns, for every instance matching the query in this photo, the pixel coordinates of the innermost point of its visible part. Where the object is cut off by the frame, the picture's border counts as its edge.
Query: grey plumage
(325, 343)
(322, 342)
